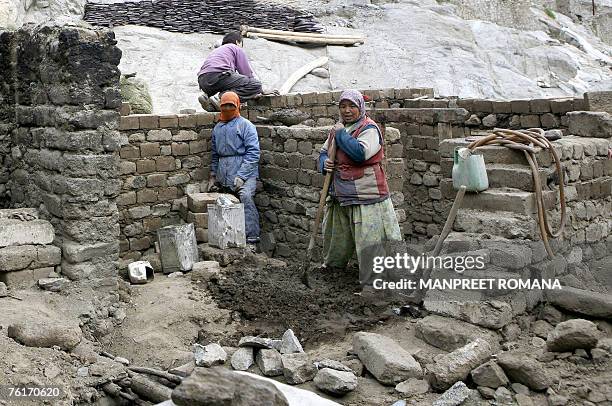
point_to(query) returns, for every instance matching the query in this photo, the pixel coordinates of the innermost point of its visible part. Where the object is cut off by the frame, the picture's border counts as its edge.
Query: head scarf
(229, 98)
(355, 97)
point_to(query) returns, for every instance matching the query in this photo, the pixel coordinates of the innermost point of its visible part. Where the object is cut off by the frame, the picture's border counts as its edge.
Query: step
(491, 153)
(514, 176)
(508, 199)
(499, 223)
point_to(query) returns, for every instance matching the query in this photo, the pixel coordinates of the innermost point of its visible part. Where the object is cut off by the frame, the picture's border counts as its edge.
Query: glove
(212, 187)
(238, 183)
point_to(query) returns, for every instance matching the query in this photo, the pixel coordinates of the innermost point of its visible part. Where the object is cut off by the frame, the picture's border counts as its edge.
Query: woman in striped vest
(360, 214)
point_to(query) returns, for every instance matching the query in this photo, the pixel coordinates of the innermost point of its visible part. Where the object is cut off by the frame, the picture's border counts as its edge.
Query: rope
(527, 141)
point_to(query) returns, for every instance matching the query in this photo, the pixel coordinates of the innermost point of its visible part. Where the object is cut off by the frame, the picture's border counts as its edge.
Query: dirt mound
(273, 299)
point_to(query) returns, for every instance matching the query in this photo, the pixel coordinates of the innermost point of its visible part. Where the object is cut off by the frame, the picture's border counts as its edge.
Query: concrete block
(17, 232)
(226, 226)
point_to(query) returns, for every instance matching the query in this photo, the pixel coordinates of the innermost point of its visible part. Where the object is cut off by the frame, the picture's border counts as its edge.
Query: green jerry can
(469, 170)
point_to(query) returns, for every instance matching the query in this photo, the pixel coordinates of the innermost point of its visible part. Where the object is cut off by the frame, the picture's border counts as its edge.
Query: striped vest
(364, 182)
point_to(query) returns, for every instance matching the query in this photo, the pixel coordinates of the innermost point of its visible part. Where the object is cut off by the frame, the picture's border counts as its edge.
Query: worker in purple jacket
(227, 68)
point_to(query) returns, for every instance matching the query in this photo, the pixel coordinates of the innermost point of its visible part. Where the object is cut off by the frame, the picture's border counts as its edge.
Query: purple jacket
(227, 58)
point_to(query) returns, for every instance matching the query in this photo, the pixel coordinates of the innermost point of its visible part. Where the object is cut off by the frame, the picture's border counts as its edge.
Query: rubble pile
(213, 16)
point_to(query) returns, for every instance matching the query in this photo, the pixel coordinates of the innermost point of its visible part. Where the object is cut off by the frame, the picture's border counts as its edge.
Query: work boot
(215, 101)
(205, 103)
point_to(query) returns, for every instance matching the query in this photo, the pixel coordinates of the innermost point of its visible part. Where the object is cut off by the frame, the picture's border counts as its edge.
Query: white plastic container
(469, 170)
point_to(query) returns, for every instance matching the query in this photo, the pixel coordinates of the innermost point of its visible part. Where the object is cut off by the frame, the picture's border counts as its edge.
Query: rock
(599, 355)
(32, 232)
(219, 386)
(205, 270)
(493, 314)
(183, 370)
(209, 355)
(523, 400)
(355, 365)
(256, 342)
(473, 121)
(52, 371)
(335, 382)
(546, 356)
(486, 392)
(511, 332)
(269, 362)
(457, 365)
(557, 400)
(385, 359)
(524, 369)
(503, 397)
(46, 333)
(581, 353)
(490, 375)
(320, 72)
(454, 396)
(449, 334)
(298, 368)
(243, 358)
(572, 334)
(594, 304)
(552, 315)
(83, 372)
(3, 290)
(490, 121)
(331, 364)
(52, 284)
(122, 360)
(290, 344)
(541, 328)
(538, 342)
(520, 388)
(412, 387)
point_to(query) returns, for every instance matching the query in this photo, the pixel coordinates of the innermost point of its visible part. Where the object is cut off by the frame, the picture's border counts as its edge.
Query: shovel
(305, 278)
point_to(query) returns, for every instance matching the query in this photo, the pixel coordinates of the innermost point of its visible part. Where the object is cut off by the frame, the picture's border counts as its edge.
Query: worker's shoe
(215, 101)
(206, 103)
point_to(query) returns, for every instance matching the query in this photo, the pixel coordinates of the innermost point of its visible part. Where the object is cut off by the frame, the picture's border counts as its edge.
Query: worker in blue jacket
(235, 160)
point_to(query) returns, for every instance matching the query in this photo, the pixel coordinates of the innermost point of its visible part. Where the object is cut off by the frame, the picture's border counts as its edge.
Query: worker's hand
(328, 165)
(238, 183)
(337, 126)
(212, 187)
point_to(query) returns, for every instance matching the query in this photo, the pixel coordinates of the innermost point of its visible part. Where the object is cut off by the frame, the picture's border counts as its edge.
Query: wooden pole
(307, 40)
(298, 74)
(246, 29)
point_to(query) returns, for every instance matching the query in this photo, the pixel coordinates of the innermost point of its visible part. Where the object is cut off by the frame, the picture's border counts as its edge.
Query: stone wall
(7, 112)
(63, 158)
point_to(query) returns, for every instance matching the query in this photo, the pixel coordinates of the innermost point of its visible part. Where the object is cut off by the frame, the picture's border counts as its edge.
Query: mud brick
(149, 149)
(180, 148)
(187, 120)
(148, 121)
(151, 224)
(467, 104)
(294, 100)
(411, 104)
(126, 199)
(414, 153)
(129, 152)
(146, 196)
(419, 142)
(583, 190)
(156, 180)
(199, 220)
(444, 131)
(145, 165)
(530, 120)
(324, 98)
(502, 107)
(139, 244)
(396, 167)
(520, 106)
(433, 144)
(195, 147)
(165, 163)
(412, 129)
(309, 99)
(539, 106)
(431, 156)
(205, 118)
(482, 106)
(426, 130)
(167, 193)
(579, 105)
(168, 121)
(426, 104)
(561, 106)
(395, 184)
(129, 123)
(395, 151)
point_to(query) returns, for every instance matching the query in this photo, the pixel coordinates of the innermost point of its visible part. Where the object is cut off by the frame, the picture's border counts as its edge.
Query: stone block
(159, 135)
(226, 226)
(145, 166)
(561, 106)
(199, 220)
(148, 121)
(520, 106)
(25, 278)
(298, 368)
(590, 124)
(530, 121)
(17, 232)
(149, 149)
(599, 101)
(168, 121)
(129, 123)
(525, 369)
(76, 253)
(129, 152)
(187, 120)
(180, 148)
(449, 334)
(165, 163)
(385, 359)
(581, 301)
(539, 105)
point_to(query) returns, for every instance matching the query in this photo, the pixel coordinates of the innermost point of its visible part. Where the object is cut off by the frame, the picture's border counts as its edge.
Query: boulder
(385, 359)
(209, 355)
(335, 382)
(257, 342)
(269, 362)
(290, 344)
(454, 396)
(573, 334)
(456, 366)
(46, 333)
(541, 328)
(298, 368)
(242, 358)
(524, 369)
(594, 304)
(490, 375)
(331, 364)
(219, 386)
(449, 334)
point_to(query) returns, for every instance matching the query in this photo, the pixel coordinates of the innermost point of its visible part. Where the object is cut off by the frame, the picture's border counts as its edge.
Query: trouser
(363, 228)
(246, 194)
(218, 82)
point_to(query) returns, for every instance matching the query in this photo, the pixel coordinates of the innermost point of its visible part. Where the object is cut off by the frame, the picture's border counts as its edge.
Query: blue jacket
(235, 151)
